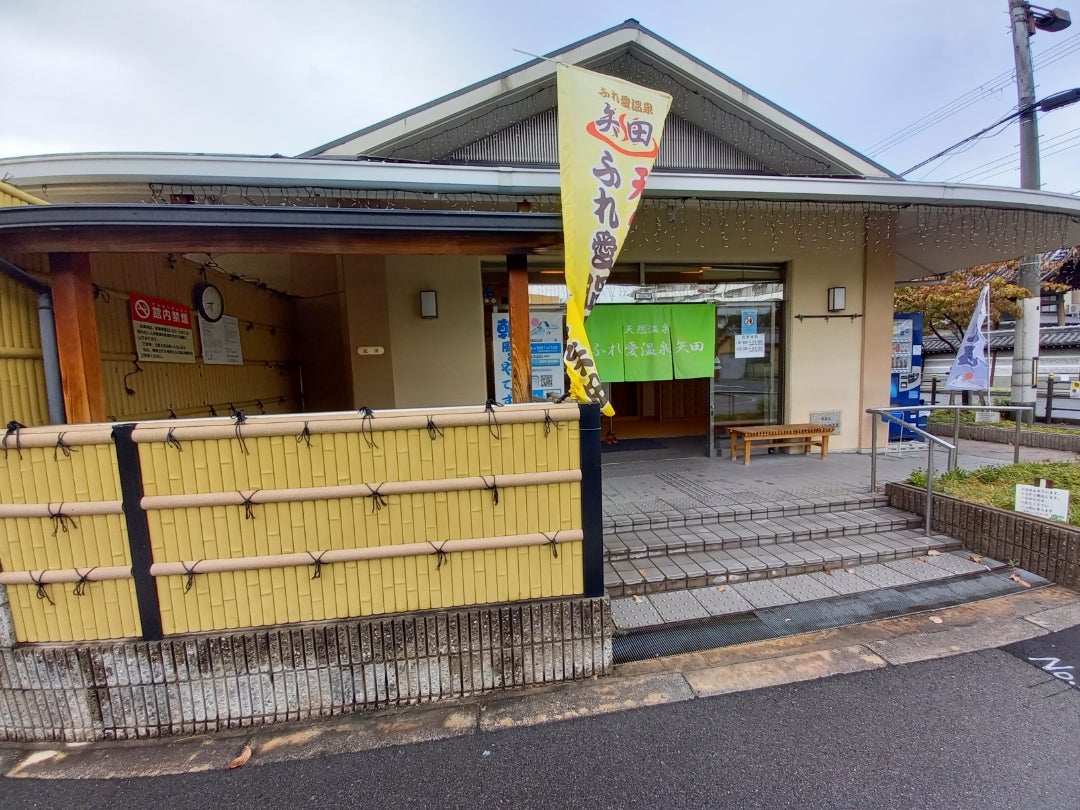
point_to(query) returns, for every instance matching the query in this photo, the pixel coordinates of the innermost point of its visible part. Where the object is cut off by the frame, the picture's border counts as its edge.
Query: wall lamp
(429, 304)
(837, 299)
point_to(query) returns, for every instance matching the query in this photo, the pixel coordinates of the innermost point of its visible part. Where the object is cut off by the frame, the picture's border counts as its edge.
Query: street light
(1026, 19)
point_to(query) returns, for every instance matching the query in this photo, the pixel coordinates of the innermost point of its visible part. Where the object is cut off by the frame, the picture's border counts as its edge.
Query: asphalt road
(984, 731)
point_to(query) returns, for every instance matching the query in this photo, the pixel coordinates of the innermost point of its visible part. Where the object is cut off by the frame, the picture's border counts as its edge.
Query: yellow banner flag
(609, 137)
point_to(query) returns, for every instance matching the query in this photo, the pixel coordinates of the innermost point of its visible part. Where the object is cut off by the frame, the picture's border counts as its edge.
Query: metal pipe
(956, 427)
(929, 485)
(1016, 443)
(50, 357)
(50, 353)
(873, 453)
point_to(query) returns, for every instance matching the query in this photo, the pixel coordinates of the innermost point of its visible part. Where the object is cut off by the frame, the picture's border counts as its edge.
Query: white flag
(970, 370)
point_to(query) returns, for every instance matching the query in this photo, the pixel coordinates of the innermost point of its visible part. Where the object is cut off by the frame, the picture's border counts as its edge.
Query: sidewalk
(678, 477)
(693, 676)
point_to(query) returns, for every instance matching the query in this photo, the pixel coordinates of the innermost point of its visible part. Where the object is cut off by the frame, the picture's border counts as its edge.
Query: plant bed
(1044, 547)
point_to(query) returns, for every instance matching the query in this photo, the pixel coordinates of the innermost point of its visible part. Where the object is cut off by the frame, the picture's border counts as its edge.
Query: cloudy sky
(896, 79)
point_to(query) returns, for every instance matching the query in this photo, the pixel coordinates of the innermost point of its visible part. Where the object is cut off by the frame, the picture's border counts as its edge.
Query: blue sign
(749, 321)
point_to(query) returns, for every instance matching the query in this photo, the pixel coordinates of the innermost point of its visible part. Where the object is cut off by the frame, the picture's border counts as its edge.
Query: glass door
(747, 383)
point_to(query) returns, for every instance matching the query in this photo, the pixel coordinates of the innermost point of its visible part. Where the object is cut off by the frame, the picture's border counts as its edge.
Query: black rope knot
(41, 592)
(305, 435)
(553, 543)
(60, 447)
(433, 430)
(172, 441)
(191, 572)
(493, 486)
(494, 428)
(13, 428)
(367, 429)
(240, 419)
(102, 293)
(378, 500)
(440, 554)
(549, 423)
(80, 586)
(249, 504)
(316, 560)
(60, 520)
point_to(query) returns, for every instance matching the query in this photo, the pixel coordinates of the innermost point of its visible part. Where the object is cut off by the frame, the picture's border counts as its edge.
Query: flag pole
(986, 336)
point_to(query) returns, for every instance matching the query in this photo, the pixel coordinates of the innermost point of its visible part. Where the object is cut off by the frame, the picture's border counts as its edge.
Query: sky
(277, 77)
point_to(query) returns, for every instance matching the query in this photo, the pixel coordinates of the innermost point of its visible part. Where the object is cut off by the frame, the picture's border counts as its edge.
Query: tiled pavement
(637, 612)
(687, 538)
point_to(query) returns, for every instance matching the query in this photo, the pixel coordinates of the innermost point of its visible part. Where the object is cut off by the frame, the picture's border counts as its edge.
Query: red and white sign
(163, 332)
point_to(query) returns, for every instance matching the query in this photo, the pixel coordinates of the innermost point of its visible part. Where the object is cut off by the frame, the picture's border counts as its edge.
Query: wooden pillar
(77, 337)
(517, 268)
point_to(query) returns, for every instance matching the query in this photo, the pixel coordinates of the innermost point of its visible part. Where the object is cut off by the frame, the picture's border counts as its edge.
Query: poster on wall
(221, 341)
(750, 345)
(163, 330)
(546, 339)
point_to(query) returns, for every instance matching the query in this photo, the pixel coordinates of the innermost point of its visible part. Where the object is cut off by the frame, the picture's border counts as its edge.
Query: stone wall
(209, 682)
(1028, 438)
(1044, 547)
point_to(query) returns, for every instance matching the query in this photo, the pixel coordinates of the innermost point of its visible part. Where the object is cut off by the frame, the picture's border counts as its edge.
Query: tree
(948, 305)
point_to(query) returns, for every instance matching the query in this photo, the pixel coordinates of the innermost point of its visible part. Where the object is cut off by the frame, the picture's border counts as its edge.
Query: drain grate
(661, 642)
(822, 614)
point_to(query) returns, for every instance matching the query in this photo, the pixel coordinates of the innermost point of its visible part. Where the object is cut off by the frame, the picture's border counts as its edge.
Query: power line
(1053, 54)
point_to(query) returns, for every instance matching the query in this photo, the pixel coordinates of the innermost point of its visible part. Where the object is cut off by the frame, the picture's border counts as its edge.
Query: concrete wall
(208, 683)
(437, 361)
(368, 325)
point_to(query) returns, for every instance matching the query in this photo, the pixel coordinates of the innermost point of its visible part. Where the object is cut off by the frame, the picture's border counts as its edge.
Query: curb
(891, 642)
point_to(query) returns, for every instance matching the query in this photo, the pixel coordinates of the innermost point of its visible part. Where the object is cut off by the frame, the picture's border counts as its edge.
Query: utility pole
(1025, 365)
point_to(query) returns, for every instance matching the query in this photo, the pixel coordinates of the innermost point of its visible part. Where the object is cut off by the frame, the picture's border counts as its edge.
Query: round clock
(209, 302)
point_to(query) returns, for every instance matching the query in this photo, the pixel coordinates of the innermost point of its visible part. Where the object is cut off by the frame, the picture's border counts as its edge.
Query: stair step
(700, 567)
(678, 516)
(772, 530)
(636, 613)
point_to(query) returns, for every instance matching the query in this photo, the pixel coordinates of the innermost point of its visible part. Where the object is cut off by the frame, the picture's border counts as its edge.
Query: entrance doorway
(747, 384)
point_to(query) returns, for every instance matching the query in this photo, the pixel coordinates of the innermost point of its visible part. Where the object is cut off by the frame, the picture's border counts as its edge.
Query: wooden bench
(806, 436)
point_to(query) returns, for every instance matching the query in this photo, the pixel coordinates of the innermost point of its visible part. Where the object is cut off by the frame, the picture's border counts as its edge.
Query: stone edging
(1044, 547)
(202, 683)
(1028, 438)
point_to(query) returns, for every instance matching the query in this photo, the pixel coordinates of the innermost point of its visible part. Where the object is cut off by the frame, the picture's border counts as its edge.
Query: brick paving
(688, 538)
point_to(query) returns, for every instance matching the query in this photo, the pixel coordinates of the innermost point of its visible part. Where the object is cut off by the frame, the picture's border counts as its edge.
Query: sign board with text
(163, 332)
(221, 341)
(1043, 502)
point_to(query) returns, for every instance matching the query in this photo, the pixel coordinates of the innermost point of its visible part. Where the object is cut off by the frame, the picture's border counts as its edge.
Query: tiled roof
(1050, 337)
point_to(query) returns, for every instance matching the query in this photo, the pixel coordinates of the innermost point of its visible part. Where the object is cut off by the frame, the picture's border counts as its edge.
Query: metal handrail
(888, 414)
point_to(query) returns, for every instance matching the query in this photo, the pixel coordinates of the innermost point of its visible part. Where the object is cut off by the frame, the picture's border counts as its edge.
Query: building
(324, 259)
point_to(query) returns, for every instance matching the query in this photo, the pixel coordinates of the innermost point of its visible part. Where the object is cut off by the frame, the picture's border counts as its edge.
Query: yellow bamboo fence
(163, 528)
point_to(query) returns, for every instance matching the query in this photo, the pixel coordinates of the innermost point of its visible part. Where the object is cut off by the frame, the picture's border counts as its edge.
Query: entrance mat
(1056, 654)
(633, 444)
(821, 614)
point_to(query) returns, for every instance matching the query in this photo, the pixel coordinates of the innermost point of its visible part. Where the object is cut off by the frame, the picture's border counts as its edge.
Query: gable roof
(716, 124)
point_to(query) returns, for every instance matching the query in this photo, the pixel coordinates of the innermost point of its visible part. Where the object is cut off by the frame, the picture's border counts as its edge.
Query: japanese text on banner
(609, 137)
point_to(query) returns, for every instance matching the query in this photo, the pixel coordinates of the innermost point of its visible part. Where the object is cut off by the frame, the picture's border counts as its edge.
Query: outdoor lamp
(429, 305)
(837, 299)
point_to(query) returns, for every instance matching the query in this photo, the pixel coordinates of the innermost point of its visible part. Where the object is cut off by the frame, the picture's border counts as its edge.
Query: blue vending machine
(905, 386)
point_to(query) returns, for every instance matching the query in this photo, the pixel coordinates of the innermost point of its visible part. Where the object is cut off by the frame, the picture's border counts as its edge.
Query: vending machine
(906, 380)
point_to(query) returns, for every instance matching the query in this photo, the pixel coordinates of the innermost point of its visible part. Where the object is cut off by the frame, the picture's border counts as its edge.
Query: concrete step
(753, 530)
(754, 507)
(637, 612)
(700, 566)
